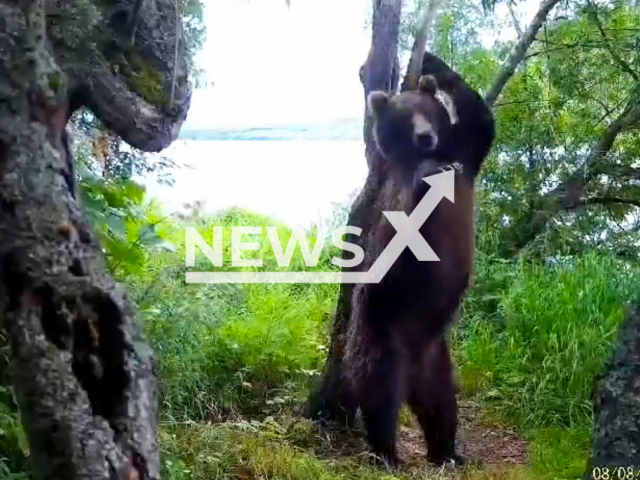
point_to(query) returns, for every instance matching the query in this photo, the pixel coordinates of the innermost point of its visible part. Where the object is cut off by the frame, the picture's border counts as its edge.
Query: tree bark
(518, 52)
(617, 405)
(83, 374)
(380, 70)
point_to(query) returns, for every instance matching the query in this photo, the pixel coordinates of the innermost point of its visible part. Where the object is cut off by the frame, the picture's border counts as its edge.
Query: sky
(276, 65)
(272, 65)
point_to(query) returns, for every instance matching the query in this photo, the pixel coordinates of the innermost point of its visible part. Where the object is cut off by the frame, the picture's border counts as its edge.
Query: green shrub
(221, 349)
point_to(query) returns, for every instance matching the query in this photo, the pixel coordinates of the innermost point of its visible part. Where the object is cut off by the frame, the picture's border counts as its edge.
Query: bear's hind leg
(432, 399)
(378, 392)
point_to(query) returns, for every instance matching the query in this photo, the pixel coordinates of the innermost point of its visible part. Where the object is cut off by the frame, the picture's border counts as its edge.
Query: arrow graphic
(407, 235)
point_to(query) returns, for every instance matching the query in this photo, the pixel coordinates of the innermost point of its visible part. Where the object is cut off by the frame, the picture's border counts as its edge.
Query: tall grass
(230, 349)
(534, 336)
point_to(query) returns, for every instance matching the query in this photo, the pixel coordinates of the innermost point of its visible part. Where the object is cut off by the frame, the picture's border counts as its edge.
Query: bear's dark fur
(393, 348)
(474, 132)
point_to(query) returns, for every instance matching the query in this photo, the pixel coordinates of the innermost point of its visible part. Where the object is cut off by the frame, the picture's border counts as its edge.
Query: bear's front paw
(452, 166)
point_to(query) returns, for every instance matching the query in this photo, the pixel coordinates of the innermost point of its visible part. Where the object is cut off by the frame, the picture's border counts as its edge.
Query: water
(298, 182)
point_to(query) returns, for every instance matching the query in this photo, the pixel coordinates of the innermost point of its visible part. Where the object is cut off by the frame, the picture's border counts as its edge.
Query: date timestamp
(615, 473)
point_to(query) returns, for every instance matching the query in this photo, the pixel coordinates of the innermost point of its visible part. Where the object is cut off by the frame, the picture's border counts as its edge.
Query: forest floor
(489, 447)
(288, 447)
(480, 440)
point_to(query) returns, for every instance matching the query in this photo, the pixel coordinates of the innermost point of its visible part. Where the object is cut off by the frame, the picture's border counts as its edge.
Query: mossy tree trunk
(82, 372)
(617, 405)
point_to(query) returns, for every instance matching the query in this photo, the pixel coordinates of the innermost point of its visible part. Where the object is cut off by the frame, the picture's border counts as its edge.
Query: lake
(295, 181)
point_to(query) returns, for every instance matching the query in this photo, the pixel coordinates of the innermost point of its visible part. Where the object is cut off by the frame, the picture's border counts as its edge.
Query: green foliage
(128, 230)
(193, 33)
(579, 76)
(559, 105)
(534, 336)
(14, 450)
(225, 348)
(454, 34)
(120, 161)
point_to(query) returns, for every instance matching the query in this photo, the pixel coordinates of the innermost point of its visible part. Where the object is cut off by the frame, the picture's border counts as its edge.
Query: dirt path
(482, 442)
(479, 441)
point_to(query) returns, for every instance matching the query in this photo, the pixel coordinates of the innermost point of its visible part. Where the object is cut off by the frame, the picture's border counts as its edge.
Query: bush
(225, 349)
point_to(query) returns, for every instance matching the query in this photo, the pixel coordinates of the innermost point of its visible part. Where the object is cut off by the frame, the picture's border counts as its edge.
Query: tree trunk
(617, 406)
(380, 71)
(83, 375)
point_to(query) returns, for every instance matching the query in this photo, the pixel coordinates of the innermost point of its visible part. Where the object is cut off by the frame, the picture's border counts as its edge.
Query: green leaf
(117, 226)
(149, 236)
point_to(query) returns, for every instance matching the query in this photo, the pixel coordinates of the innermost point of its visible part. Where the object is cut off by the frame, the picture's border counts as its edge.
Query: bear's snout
(426, 141)
(424, 135)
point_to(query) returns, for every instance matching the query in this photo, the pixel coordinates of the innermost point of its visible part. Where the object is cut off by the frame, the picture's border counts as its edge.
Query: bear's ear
(428, 84)
(378, 102)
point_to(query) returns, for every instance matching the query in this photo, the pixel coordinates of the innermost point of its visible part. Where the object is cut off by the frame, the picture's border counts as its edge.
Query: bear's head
(412, 126)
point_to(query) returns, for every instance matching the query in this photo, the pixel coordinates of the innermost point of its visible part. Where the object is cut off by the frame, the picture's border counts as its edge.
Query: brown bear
(392, 349)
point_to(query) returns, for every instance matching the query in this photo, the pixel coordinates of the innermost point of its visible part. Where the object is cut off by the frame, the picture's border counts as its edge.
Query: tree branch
(139, 123)
(410, 81)
(622, 172)
(551, 50)
(111, 85)
(514, 19)
(607, 200)
(629, 118)
(519, 51)
(570, 193)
